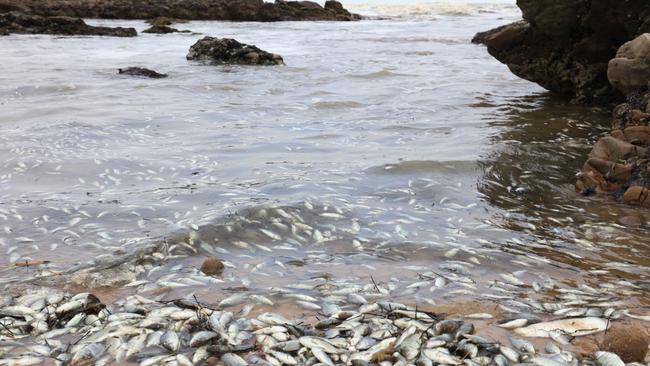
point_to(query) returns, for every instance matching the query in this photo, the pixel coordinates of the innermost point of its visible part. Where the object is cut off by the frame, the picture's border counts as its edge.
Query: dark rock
(229, 51)
(565, 45)
(15, 22)
(140, 71)
(481, 37)
(233, 10)
(161, 29)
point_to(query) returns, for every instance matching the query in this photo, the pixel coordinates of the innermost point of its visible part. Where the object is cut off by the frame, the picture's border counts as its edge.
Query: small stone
(212, 266)
(629, 342)
(631, 220)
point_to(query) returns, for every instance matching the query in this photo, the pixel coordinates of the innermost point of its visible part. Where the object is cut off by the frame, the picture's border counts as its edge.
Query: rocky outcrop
(16, 22)
(229, 51)
(233, 10)
(141, 71)
(565, 46)
(619, 163)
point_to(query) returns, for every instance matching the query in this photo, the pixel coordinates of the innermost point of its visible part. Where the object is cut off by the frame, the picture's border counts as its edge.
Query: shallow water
(400, 146)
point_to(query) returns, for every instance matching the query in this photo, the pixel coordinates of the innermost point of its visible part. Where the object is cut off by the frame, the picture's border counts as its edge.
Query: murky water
(393, 146)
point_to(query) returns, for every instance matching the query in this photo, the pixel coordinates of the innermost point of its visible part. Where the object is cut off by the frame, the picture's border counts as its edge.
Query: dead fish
(231, 359)
(323, 344)
(170, 341)
(514, 323)
(608, 359)
(522, 345)
(573, 326)
(322, 356)
(92, 351)
(441, 356)
(201, 338)
(233, 300)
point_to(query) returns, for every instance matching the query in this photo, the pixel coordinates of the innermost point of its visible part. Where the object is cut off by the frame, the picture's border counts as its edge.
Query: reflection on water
(530, 176)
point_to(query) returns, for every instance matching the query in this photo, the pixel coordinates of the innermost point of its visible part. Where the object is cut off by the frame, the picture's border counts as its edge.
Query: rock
(229, 51)
(232, 10)
(482, 37)
(629, 342)
(637, 195)
(16, 22)
(109, 277)
(162, 29)
(632, 221)
(140, 71)
(565, 46)
(630, 70)
(212, 266)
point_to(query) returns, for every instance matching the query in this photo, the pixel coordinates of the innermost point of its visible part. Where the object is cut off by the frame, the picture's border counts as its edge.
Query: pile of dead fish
(50, 326)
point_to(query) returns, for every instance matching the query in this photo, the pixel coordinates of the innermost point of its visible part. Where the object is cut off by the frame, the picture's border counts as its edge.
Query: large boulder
(565, 45)
(16, 22)
(229, 51)
(630, 70)
(233, 10)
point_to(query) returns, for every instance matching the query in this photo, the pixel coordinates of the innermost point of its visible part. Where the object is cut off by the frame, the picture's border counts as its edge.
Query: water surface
(407, 148)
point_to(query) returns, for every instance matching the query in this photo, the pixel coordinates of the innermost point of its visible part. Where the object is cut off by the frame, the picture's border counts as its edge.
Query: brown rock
(637, 195)
(629, 342)
(212, 266)
(631, 220)
(637, 135)
(613, 149)
(630, 69)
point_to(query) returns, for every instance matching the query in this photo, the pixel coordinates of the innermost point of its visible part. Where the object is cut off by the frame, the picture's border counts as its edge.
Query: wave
(432, 10)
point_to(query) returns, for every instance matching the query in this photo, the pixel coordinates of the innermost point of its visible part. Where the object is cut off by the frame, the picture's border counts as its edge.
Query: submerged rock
(233, 10)
(212, 266)
(230, 51)
(15, 22)
(565, 46)
(140, 71)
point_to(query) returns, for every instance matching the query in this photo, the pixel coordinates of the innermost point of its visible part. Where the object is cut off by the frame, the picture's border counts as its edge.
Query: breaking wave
(432, 10)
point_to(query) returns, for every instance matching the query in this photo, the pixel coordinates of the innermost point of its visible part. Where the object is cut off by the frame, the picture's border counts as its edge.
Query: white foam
(400, 10)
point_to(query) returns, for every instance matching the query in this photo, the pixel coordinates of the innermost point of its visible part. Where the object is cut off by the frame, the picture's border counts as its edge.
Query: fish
(573, 326)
